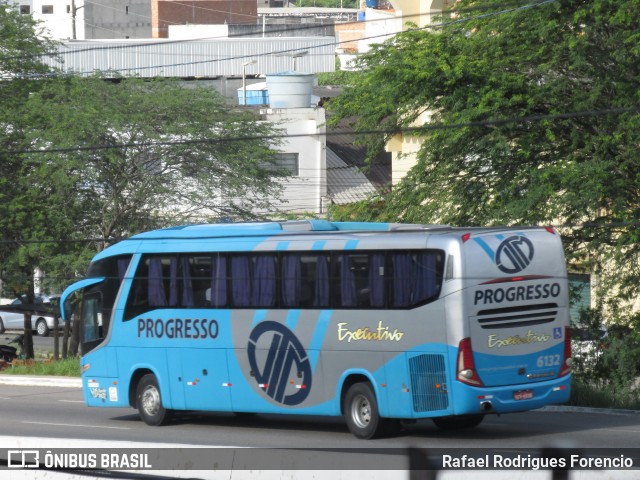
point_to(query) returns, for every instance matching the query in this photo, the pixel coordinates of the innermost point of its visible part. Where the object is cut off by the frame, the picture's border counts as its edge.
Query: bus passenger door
(205, 379)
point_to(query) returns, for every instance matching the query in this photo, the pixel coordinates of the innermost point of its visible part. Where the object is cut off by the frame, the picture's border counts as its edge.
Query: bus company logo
(514, 254)
(285, 355)
(531, 337)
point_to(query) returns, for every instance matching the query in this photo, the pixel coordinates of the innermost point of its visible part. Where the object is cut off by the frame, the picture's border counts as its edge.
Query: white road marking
(74, 425)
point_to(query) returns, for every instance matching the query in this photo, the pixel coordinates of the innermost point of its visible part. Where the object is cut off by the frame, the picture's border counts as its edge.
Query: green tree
(138, 154)
(564, 76)
(22, 47)
(84, 159)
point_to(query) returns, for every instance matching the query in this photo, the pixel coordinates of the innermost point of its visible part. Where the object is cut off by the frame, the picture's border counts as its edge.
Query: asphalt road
(56, 418)
(60, 412)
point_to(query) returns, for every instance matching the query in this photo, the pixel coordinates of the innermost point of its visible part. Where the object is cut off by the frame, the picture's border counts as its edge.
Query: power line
(312, 26)
(420, 129)
(282, 52)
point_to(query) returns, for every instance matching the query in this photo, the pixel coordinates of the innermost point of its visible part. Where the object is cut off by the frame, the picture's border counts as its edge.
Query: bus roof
(204, 232)
(275, 228)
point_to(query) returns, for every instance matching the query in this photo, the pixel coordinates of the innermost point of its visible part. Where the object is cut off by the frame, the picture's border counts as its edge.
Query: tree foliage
(22, 47)
(85, 161)
(139, 154)
(108, 159)
(562, 77)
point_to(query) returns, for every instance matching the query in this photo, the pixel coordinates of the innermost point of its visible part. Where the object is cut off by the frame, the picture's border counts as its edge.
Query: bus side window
(361, 280)
(416, 277)
(155, 285)
(253, 280)
(304, 280)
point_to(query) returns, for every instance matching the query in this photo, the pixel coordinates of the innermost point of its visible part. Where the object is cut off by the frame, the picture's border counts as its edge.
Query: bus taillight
(466, 366)
(566, 364)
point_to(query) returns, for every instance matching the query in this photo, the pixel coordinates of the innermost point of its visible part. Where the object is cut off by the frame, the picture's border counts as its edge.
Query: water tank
(372, 3)
(290, 89)
(256, 94)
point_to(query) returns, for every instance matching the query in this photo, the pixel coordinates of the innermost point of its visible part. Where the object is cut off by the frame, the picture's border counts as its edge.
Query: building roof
(341, 140)
(204, 58)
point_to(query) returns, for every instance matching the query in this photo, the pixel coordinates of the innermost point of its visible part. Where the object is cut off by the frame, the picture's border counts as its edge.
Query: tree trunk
(56, 337)
(28, 337)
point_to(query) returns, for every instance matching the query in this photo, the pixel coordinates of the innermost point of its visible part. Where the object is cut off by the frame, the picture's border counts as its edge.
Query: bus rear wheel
(149, 402)
(361, 413)
(458, 423)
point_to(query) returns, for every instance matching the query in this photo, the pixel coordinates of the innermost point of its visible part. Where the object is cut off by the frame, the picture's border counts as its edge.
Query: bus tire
(458, 423)
(361, 413)
(149, 402)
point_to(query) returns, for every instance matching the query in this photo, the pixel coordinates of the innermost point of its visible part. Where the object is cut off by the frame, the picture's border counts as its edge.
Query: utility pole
(74, 12)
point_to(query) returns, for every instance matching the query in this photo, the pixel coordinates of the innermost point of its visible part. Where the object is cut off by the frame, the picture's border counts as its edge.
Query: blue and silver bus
(376, 322)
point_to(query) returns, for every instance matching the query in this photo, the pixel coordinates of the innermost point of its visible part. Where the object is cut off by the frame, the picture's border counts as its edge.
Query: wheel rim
(40, 328)
(361, 411)
(151, 400)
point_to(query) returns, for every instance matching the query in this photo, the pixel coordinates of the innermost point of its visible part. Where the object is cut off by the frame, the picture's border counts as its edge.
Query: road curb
(574, 409)
(41, 381)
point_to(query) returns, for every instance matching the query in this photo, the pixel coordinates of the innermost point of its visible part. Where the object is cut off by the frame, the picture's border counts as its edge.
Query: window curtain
(376, 280)
(425, 278)
(291, 280)
(156, 293)
(402, 279)
(321, 294)
(173, 282)
(187, 289)
(218, 281)
(264, 282)
(347, 282)
(241, 280)
(123, 263)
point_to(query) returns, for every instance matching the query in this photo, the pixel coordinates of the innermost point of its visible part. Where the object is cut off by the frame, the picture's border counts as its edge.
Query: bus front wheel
(149, 402)
(361, 413)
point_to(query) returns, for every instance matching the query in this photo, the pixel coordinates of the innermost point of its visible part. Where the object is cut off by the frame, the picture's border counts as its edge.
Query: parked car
(41, 324)
(586, 346)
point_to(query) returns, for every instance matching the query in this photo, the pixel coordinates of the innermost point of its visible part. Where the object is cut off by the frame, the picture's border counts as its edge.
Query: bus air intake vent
(428, 383)
(523, 316)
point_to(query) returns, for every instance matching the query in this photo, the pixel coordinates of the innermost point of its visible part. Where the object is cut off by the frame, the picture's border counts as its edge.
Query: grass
(594, 394)
(69, 367)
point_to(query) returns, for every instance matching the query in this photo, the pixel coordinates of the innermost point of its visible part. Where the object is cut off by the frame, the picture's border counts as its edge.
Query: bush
(606, 373)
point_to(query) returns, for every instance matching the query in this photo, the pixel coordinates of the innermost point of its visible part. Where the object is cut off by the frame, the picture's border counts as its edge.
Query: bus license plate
(523, 395)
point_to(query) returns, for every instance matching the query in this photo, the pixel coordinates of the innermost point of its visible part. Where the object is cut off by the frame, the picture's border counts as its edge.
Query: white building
(77, 19)
(56, 16)
(303, 152)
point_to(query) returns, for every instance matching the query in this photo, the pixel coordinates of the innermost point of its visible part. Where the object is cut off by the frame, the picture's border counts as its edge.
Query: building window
(47, 9)
(25, 9)
(289, 162)
(284, 163)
